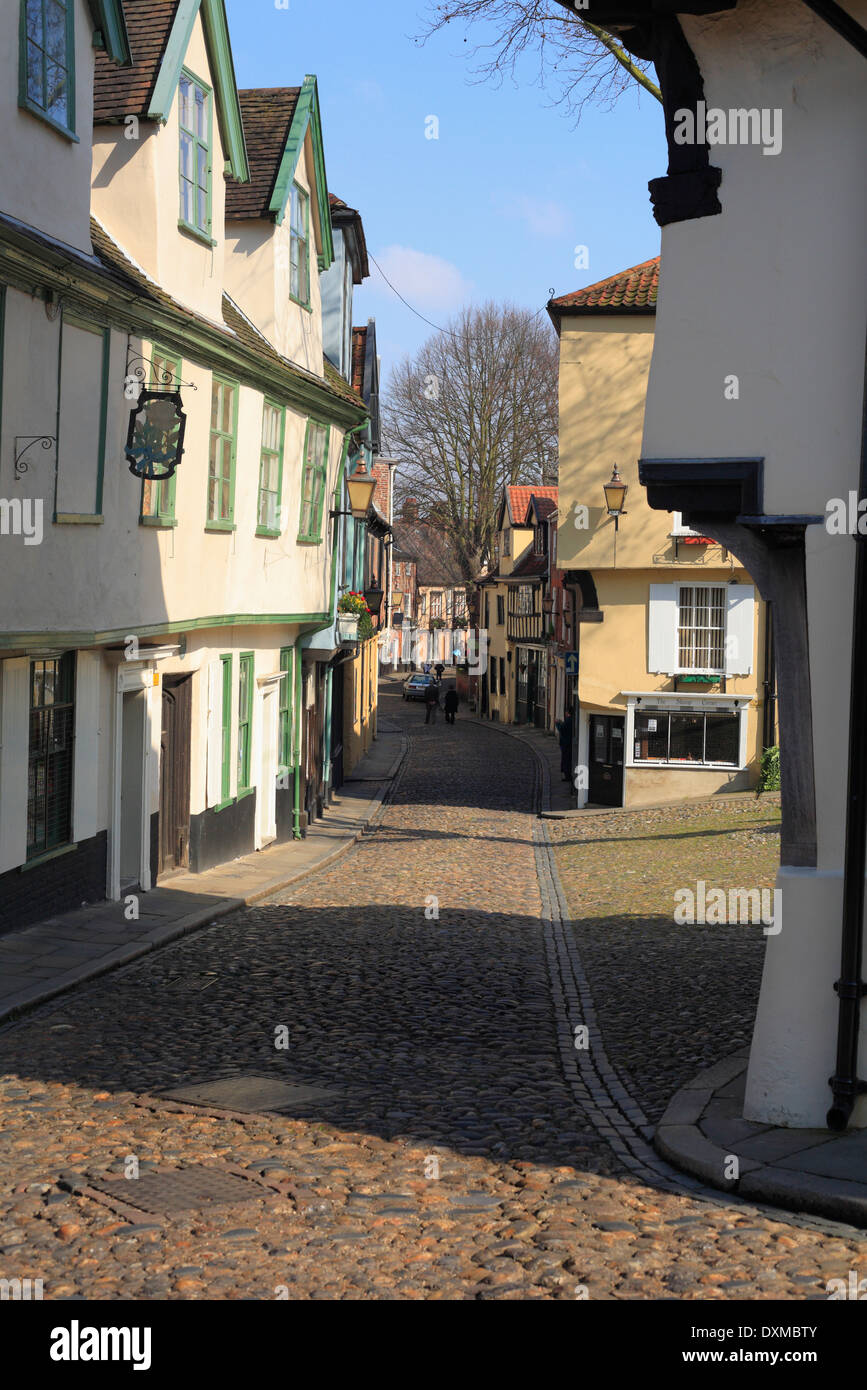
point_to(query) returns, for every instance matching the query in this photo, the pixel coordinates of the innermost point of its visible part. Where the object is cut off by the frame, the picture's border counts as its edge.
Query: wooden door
(606, 760)
(175, 748)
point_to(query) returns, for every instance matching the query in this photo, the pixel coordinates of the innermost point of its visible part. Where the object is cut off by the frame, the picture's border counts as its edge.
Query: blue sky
(494, 208)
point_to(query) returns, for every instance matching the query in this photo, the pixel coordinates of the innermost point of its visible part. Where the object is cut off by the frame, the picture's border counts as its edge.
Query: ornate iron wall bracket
(46, 441)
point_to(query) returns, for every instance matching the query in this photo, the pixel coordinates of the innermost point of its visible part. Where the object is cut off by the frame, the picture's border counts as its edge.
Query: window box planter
(347, 627)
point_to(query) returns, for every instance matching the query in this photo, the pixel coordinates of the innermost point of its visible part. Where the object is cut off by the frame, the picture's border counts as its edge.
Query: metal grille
(253, 1093)
(180, 1189)
(49, 770)
(701, 627)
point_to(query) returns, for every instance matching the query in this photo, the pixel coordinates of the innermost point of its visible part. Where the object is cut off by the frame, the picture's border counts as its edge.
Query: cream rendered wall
(111, 576)
(646, 785)
(614, 652)
(209, 645)
(45, 175)
(251, 275)
(257, 277)
(775, 291)
(728, 306)
(498, 646)
(136, 195)
(125, 190)
(522, 539)
(604, 366)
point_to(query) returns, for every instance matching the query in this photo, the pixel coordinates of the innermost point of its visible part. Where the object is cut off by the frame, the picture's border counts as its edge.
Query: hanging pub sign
(155, 443)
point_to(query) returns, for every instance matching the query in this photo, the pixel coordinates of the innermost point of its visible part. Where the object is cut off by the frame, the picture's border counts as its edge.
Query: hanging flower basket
(352, 603)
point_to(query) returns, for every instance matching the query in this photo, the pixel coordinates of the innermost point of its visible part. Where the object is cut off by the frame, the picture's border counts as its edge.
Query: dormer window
(194, 116)
(299, 223)
(539, 541)
(47, 73)
(507, 542)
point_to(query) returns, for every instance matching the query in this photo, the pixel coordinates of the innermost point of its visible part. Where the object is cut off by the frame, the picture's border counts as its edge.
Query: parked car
(415, 687)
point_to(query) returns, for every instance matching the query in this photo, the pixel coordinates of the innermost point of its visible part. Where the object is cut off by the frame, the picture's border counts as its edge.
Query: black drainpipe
(850, 987)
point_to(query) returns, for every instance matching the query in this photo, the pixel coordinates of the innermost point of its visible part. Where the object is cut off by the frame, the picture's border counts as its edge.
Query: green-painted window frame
(299, 201)
(246, 677)
(30, 51)
(313, 479)
(266, 457)
(94, 516)
(199, 145)
(226, 734)
(219, 385)
(51, 754)
(163, 493)
(286, 750)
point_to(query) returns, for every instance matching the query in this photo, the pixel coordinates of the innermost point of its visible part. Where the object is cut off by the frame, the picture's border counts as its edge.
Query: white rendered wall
(775, 291)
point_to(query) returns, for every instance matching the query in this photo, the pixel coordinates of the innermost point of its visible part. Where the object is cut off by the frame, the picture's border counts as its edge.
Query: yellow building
(673, 645)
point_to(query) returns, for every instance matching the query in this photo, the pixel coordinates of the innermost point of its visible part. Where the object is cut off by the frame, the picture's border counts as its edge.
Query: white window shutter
(740, 619)
(662, 630)
(215, 732)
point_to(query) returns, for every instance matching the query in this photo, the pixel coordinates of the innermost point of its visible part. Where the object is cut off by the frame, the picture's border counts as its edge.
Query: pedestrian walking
(439, 668)
(450, 705)
(426, 668)
(564, 733)
(431, 701)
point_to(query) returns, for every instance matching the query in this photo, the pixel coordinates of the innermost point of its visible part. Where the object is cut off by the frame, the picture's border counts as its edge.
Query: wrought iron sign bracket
(163, 378)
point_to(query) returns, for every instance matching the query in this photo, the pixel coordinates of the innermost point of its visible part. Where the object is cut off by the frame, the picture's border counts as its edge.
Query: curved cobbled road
(456, 1146)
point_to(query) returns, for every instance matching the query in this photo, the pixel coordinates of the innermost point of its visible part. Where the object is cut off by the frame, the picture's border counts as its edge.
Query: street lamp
(373, 599)
(361, 486)
(615, 496)
(548, 605)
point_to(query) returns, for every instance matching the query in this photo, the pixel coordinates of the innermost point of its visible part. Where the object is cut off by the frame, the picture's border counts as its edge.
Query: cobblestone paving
(437, 1043)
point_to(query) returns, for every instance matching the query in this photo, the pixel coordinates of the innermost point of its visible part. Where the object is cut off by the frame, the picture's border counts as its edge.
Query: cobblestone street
(425, 986)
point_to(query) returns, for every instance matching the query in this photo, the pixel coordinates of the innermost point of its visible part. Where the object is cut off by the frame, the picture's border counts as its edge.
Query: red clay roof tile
(631, 291)
(519, 499)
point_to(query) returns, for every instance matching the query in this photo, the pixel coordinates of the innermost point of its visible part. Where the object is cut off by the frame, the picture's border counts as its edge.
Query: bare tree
(578, 61)
(475, 409)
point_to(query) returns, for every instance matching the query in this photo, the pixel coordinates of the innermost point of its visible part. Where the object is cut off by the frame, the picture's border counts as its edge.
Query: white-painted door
(266, 799)
(132, 788)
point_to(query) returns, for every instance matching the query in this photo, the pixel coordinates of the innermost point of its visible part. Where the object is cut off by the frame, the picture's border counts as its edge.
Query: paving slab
(806, 1170)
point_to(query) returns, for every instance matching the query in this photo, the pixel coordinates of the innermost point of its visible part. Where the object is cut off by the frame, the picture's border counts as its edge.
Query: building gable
(306, 118)
(160, 33)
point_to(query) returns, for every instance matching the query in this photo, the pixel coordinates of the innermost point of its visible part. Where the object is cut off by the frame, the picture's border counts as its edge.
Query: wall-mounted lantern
(615, 496)
(155, 442)
(373, 598)
(361, 486)
(548, 605)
